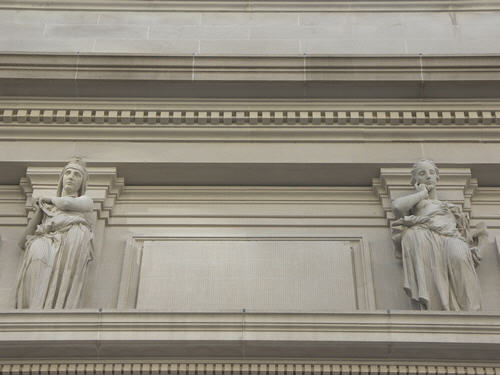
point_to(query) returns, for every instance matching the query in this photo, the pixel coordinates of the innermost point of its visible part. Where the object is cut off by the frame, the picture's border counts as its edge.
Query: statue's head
(424, 171)
(73, 178)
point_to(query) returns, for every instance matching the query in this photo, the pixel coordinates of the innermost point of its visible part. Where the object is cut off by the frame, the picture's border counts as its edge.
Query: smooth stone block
(250, 19)
(150, 18)
(242, 46)
(299, 32)
(147, 46)
(47, 45)
(352, 46)
(326, 19)
(47, 17)
(16, 31)
(428, 26)
(198, 32)
(256, 275)
(96, 31)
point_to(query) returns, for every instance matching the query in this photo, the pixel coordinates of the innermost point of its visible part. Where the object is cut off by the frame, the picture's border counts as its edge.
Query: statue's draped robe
(438, 267)
(52, 275)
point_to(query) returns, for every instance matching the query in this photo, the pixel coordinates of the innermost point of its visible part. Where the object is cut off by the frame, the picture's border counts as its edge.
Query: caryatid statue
(436, 246)
(58, 245)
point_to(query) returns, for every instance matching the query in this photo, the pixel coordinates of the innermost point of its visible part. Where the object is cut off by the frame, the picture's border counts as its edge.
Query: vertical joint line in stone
(77, 65)
(192, 69)
(305, 67)
(421, 63)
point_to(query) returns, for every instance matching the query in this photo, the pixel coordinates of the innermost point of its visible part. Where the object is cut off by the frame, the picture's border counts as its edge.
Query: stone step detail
(241, 369)
(246, 118)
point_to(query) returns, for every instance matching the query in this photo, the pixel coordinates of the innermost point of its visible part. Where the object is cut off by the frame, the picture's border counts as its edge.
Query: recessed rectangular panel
(256, 275)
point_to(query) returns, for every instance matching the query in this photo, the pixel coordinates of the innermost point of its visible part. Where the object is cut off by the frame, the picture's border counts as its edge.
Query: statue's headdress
(78, 164)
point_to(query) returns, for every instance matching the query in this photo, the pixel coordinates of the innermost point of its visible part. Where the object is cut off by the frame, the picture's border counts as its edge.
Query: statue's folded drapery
(52, 274)
(437, 260)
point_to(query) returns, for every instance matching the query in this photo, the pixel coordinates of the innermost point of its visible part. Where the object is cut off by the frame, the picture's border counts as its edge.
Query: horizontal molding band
(247, 104)
(81, 66)
(238, 368)
(254, 194)
(264, 135)
(341, 77)
(128, 335)
(235, 222)
(257, 5)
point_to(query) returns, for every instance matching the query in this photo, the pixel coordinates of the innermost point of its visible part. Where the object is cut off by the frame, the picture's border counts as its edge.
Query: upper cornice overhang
(405, 336)
(258, 5)
(311, 77)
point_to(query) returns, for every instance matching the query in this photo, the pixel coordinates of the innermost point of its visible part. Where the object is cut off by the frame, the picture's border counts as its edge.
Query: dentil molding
(237, 368)
(241, 116)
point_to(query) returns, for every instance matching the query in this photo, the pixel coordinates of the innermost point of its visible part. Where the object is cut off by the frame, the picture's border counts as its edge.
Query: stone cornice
(432, 336)
(369, 77)
(257, 5)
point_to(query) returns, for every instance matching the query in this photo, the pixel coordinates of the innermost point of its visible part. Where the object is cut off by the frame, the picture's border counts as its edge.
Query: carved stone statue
(58, 245)
(436, 246)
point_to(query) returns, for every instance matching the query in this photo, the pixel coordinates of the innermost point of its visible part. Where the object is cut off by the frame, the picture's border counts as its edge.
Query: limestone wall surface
(250, 33)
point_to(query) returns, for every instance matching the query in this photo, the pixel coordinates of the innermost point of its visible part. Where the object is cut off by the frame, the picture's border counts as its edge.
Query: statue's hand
(22, 244)
(422, 188)
(45, 200)
(410, 220)
(37, 212)
(37, 207)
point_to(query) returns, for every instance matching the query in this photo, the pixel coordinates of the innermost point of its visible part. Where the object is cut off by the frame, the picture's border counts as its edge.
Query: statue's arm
(402, 206)
(80, 204)
(31, 227)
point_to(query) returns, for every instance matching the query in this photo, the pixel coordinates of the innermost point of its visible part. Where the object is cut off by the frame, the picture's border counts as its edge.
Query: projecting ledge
(138, 334)
(281, 76)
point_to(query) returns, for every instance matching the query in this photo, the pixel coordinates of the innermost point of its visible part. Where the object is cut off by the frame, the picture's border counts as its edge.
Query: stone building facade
(242, 159)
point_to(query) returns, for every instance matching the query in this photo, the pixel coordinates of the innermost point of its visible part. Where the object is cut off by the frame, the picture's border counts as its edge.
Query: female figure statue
(436, 246)
(58, 243)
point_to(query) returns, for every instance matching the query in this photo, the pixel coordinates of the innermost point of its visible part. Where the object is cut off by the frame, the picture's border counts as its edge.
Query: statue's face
(426, 174)
(72, 181)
